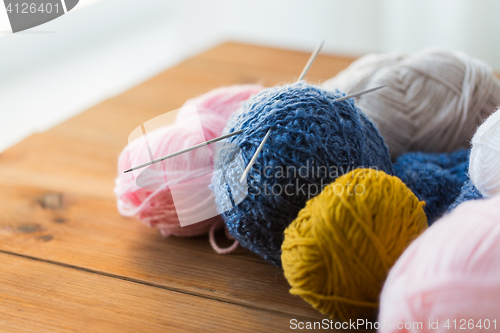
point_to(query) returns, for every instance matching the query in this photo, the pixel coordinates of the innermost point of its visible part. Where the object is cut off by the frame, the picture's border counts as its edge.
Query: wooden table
(70, 262)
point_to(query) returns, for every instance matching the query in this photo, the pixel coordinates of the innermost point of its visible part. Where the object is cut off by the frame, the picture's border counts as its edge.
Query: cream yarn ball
(484, 163)
(434, 101)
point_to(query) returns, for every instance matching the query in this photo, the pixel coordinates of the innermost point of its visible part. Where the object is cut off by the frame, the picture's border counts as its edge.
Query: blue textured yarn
(468, 192)
(434, 178)
(309, 131)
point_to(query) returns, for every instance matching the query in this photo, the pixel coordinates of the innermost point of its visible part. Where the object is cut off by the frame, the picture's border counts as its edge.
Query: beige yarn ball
(435, 99)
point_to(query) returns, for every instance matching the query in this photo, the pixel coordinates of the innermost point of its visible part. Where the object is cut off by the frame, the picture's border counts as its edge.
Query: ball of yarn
(154, 206)
(313, 141)
(467, 192)
(485, 157)
(434, 101)
(338, 251)
(435, 178)
(449, 273)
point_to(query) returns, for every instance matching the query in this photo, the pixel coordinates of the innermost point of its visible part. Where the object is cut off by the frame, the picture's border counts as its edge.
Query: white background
(103, 47)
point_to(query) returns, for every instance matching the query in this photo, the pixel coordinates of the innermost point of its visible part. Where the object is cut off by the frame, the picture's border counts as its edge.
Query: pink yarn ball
(153, 204)
(451, 272)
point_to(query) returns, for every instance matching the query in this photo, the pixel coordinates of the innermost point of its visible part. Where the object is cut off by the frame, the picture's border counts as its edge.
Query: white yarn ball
(484, 164)
(434, 101)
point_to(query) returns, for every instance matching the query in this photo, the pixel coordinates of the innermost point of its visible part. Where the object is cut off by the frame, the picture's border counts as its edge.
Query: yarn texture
(467, 192)
(313, 142)
(338, 251)
(435, 178)
(153, 205)
(434, 101)
(450, 272)
(485, 157)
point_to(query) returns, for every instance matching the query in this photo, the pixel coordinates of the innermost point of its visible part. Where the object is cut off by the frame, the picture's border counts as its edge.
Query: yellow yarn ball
(338, 251)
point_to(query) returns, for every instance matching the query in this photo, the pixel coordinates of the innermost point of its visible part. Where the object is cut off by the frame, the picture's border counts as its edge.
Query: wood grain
(42, 297)
(89, 233)
(230, 63)
(58, 211)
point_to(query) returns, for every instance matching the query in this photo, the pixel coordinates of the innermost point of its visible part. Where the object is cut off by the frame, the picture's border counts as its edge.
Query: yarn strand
(215, 247)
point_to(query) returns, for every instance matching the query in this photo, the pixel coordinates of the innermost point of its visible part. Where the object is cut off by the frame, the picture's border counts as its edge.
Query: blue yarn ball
(310, 132)
(434, 178)
(468, 192)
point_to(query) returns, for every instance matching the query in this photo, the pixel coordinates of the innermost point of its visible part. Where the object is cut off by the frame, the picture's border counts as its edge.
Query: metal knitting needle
(261, 145)
(206, 143)
(359, 93)
(254, 157)
(311, 60)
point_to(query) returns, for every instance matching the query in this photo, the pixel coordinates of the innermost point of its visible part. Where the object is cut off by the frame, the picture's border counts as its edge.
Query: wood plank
(230, 63)
(275, 59)
(42, 297)
(89, 233)
(177, 84)
(42, 161)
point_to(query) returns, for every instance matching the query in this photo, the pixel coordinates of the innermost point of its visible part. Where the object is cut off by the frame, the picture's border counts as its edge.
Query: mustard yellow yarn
(338, 251)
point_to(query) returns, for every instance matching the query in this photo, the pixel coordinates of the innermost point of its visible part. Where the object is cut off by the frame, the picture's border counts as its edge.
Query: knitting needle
(359, 93)
(261, 145)
(254, 157)
(311, 60)
(222, 137)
